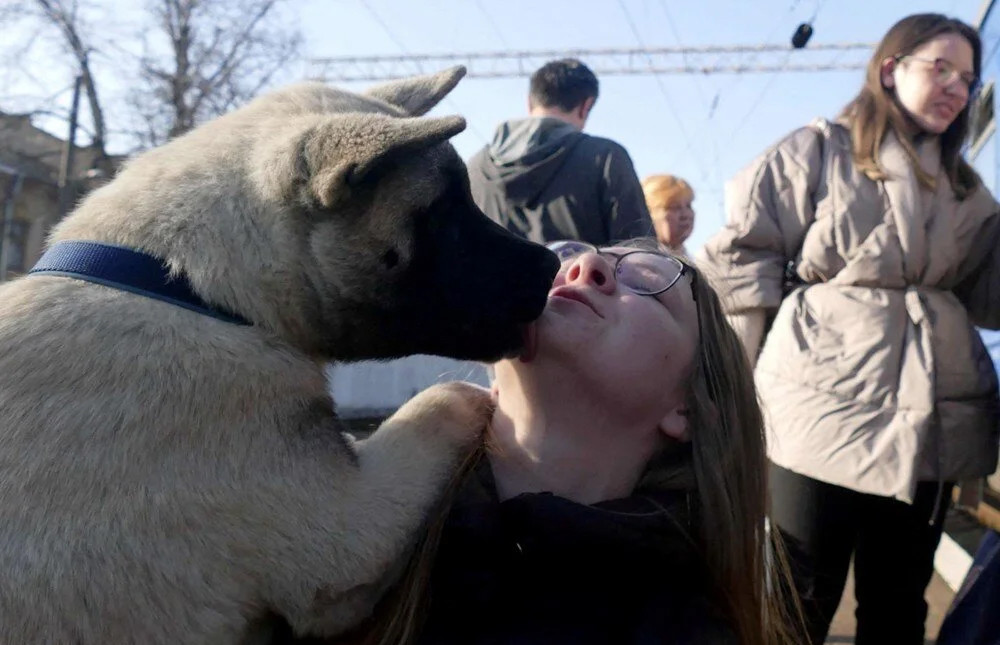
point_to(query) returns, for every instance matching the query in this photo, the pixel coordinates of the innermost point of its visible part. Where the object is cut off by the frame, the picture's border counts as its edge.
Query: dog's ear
(418, 94)
(339, 154)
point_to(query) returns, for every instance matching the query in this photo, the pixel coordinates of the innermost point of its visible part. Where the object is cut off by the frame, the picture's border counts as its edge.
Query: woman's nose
(957, 88)
(592, 270)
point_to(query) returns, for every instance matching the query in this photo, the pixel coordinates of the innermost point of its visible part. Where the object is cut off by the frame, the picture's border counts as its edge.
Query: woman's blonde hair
(725, 470)
(875, 110)
(662, 191)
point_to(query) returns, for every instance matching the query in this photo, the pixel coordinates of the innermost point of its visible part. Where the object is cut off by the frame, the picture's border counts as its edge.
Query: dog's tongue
(529, 335)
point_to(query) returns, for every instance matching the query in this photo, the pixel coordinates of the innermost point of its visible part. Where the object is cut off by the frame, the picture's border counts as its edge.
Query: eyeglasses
(944, 74)
(645, 273)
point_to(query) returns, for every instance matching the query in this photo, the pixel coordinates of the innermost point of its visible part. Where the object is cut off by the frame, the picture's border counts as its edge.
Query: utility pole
(67, 182)
(13, 189)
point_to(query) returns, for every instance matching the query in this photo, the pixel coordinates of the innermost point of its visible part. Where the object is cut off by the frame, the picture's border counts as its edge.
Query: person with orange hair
(669, 201)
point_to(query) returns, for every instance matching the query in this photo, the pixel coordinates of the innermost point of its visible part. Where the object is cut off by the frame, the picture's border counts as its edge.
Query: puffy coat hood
(526, 154)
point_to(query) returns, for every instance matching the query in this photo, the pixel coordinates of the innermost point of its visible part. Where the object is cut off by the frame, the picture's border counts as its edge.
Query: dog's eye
(353, 176)
(390, 258)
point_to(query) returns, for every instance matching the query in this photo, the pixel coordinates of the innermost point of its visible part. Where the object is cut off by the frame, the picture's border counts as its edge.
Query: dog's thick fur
(168, 477)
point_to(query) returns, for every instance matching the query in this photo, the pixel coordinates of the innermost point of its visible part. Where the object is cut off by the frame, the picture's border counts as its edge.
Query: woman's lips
(946, 111)
(573, 294)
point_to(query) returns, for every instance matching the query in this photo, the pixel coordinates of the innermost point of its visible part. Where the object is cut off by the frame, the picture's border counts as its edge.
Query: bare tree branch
(64, 18)
(222, 53)
(194, 60)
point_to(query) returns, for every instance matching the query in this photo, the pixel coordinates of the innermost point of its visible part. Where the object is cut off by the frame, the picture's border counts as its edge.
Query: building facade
(31, 200)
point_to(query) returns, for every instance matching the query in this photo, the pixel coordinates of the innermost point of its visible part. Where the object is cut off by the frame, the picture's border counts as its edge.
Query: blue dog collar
(129, 270)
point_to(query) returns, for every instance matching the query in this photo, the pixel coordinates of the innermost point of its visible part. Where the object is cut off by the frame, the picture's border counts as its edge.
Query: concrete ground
(938, 596)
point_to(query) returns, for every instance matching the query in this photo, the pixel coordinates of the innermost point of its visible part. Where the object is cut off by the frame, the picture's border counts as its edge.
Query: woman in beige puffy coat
(869, 248)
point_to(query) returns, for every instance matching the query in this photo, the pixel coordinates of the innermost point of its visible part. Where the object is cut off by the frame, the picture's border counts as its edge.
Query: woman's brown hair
(875, 109)
(725, 471)
(729, 462)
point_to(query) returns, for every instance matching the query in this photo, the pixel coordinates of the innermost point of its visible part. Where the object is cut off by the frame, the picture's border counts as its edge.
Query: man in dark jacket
(544, 179)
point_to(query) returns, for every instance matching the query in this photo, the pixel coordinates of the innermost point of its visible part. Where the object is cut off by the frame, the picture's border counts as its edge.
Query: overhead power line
(385, 28)
(402, 47)
(663, 91)
(611, 61)
(492, 23)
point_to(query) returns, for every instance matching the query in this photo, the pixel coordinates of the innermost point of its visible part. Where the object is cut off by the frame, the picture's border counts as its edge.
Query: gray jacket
(543, 179)
(872, 375)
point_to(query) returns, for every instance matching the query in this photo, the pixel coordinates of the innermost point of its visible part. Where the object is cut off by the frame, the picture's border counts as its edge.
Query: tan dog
(168, 477)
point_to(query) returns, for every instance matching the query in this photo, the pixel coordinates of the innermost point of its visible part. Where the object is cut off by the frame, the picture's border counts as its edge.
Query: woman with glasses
(871, 248)
(620, 495)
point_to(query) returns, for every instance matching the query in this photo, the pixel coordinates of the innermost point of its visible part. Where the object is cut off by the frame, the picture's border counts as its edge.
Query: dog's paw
(457, 410)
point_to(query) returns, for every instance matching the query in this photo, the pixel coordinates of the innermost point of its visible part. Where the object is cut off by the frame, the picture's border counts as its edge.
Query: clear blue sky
(664, 123)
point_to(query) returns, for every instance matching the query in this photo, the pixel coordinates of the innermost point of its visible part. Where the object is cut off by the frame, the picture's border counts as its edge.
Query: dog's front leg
(401, 472)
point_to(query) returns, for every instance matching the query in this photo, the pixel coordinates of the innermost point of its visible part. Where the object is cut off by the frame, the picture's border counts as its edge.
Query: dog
(173, 470)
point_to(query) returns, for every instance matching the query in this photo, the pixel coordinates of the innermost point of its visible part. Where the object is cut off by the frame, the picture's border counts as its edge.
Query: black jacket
(544, 180)
(540, 569)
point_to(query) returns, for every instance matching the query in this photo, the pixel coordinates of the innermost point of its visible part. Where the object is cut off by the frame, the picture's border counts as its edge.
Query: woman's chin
(934, 125)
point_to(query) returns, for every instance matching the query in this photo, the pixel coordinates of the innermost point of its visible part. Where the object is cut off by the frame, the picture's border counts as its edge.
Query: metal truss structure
(721, 59)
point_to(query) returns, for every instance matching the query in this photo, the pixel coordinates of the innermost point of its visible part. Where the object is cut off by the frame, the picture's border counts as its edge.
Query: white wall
(371, 388)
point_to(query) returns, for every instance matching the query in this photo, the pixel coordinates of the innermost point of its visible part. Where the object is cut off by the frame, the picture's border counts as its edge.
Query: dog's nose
(548, 266)
(541, 266)
(551, 265)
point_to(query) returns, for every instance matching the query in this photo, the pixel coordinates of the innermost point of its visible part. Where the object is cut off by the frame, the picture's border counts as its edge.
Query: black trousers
(892, 542)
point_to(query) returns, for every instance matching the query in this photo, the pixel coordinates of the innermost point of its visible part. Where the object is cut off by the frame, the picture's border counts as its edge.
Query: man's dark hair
(564, 83)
